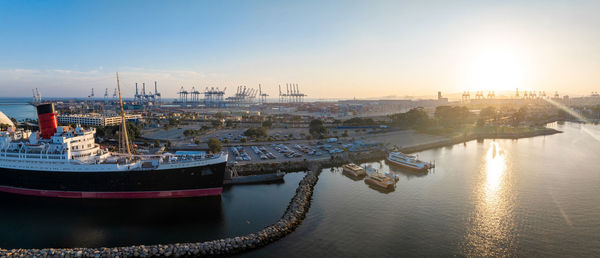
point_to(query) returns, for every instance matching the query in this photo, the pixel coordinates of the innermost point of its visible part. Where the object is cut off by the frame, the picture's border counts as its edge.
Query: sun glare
(497, 69)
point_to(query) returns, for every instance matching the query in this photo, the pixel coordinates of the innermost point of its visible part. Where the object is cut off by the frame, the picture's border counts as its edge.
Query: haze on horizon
(333, 49)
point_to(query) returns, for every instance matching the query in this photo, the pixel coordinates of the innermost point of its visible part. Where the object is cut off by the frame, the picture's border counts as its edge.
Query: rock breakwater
(292, 217)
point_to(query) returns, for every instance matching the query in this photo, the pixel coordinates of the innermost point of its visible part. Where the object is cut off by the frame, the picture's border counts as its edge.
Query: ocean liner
(66, 162)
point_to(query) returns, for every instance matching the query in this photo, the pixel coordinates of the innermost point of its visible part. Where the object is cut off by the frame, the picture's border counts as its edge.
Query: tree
(480, 122)
(415, 118)
(219, 115)
(519, 116)
(359, 121)
(488, 112)
(216, 123)
(174, 122)
(345, 134)
(256, 132)
(214, 145)
(267, 123)
(133, 131)
(451, 116)
(316, 128)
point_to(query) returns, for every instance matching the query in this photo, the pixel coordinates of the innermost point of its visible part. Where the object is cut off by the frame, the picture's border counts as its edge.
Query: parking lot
(280, 152)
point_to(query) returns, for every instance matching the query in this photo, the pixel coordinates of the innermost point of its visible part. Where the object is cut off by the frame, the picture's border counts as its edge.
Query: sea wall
(375, 155)
(292, 217)
(306, 164)
(478, 136)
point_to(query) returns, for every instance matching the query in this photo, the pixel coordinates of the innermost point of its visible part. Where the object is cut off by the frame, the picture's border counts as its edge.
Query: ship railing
(187, 157)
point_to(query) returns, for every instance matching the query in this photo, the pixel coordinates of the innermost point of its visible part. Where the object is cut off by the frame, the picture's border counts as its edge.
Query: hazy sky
(330, 48)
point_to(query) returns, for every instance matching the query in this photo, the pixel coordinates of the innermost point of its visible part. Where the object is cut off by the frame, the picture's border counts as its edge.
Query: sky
(331, 49)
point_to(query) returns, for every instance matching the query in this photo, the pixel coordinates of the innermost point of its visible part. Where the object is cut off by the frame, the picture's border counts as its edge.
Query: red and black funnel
(47, 120)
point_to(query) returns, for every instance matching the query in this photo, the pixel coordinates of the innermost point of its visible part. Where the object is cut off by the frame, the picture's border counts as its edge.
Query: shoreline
(377, 155)
(292, 217)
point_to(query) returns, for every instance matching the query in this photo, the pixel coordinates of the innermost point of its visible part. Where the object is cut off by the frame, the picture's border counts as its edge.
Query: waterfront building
(95, 119)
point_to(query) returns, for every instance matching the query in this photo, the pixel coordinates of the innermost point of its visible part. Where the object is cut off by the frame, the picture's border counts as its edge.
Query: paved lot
(397, 138)
(279, 156)
(404, 138)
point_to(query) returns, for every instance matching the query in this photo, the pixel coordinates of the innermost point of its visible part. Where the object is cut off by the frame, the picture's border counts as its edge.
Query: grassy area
(468, 130)
(504, 129)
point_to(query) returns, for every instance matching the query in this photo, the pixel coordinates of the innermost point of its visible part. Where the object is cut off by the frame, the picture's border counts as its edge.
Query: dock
(232, 178)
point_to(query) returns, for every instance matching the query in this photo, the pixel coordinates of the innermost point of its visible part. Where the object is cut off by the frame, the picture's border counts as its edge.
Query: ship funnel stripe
(47, 120)
(45, 108)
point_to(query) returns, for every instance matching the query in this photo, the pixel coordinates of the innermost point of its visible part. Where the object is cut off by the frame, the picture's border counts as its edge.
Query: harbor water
(17, 108)
(33, 222)
(529, 197)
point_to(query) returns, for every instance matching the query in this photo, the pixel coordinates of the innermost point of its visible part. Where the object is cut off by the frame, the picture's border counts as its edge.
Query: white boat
(353, 170)
(392, 176)
(408, 161)
(378, 179)
(370, 170)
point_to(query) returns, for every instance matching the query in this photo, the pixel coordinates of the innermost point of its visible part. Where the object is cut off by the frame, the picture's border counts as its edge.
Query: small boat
(392, 176)
(353, 170)
(378, 179)
(370, 170)
(408, 161)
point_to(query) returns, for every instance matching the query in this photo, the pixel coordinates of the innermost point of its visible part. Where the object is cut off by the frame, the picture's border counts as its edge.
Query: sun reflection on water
(491, 222)
(495, 168)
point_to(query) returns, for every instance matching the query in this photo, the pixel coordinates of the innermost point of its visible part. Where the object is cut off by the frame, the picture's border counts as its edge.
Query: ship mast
(123, 139)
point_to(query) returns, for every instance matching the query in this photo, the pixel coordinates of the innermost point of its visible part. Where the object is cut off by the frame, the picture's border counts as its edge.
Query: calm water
(17, 108)
(529, 197)
(31, 222)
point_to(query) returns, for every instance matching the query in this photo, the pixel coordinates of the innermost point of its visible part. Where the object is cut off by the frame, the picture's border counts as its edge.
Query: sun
(496, 69)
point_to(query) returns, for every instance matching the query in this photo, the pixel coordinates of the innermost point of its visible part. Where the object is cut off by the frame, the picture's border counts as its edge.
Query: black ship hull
(172, 183)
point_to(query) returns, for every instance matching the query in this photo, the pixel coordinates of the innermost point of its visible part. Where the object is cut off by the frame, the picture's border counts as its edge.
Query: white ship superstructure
(75, 150)
(408, 161)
